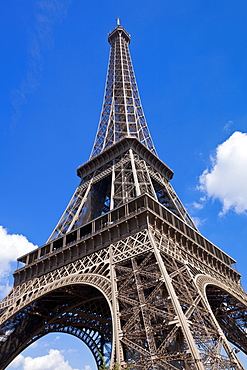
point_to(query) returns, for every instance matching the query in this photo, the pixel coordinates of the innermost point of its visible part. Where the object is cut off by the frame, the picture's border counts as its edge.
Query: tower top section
(117, 32)
(122, 114)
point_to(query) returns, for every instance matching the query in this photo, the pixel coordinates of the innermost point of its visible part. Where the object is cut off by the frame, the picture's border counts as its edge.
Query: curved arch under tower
(80, 310)
(231, 313)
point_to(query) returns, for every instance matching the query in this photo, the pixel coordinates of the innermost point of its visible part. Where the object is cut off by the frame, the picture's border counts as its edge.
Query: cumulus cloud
(12, 246)
(227, 178)
(53, 361)
(47, 14)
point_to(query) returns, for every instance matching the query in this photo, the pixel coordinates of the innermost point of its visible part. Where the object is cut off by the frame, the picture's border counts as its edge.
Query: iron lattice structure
(122, 114)
(125, 269)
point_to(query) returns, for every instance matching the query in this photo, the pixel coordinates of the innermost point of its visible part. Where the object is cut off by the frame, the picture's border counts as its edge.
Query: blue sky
(190, 62)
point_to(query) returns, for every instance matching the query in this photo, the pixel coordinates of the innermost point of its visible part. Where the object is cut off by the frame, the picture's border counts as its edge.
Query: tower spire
(122, 114)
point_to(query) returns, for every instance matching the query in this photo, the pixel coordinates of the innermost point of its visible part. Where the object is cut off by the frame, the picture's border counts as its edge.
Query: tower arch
(228, 307)
(79, 309)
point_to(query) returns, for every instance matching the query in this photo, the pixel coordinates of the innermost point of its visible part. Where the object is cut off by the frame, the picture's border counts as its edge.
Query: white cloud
(228, 126)
(198, 221)
(12, 246)
(197, 205)
(227, 179)
(5, 286)
(17, 361)
(53, 361)
(72, 350)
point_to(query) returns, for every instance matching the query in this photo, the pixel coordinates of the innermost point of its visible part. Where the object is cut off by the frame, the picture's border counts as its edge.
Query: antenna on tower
(118, 21)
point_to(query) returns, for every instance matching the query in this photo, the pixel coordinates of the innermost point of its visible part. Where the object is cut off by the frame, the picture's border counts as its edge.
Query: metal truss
(114, 183)
(122, 114)
(122, 178)
(64, 310)
(170, 325)
(139, 302)
(73, 299)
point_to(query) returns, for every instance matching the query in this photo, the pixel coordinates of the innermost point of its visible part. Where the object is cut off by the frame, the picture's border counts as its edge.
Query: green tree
(116, 366)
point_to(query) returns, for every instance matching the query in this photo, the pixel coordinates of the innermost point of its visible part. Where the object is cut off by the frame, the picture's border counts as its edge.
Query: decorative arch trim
(100, 282)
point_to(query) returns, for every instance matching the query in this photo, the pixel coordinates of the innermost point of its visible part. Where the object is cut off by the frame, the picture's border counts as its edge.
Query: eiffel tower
(126, 269)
